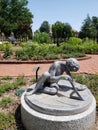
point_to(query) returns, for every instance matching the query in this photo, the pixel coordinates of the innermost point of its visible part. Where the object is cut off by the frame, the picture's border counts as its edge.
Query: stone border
(37, 61)
(34, 120)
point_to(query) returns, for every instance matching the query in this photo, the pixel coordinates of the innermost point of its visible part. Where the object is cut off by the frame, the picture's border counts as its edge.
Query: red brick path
(86, 66)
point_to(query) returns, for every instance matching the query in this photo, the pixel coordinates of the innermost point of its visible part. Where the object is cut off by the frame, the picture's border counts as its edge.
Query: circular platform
(61, 104)
(41, 111)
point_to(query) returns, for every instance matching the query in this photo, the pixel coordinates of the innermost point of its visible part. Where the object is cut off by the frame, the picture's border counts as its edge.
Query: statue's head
(72, 64)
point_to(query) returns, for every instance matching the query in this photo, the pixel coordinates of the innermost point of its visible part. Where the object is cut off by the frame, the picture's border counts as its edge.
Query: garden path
(86, 66)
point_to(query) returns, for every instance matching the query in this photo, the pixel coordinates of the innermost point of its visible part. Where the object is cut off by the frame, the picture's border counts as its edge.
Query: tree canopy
(15, 17)
(90, 28)
(45, 27)
(61, 31)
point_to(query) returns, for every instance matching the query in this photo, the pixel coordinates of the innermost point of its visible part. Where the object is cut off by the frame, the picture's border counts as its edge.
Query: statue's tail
(37, 69)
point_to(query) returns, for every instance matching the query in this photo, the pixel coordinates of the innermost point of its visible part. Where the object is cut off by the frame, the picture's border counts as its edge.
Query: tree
(86, 28)
(67, 31)
(45, 27)
(15, 16)
(61, 31)
(95, 26)
(57, 31)
(90, 28)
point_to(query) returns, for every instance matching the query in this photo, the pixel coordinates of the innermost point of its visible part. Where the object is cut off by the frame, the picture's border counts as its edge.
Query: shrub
(37, 51)
(7, 49)
(21, 54)
(90, 47)
(42, 37)
(74, 41)
(87, 47)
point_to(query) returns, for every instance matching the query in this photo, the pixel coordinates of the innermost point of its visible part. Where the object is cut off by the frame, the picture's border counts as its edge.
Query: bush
(7, 49)
(90, 47)
(21, 54)
(87, 46)
(42, 37)
(37, 51)
(74, 41)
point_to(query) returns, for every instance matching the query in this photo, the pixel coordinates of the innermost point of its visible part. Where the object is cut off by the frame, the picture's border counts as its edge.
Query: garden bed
(14, 61)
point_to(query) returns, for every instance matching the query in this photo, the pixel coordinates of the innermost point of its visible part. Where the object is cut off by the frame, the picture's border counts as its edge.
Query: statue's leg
(52, 89)
(39, 84)
(75, 90)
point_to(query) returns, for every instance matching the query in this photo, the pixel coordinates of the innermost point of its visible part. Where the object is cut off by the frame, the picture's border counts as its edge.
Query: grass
(6, 78)
(91, 81)
(8, 116)
(5, 102)
(6, 121)
(10, 86)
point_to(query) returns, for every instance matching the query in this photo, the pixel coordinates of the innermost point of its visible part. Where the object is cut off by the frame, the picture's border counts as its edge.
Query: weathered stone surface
(59, 112)
(61, 103)
(34, 120)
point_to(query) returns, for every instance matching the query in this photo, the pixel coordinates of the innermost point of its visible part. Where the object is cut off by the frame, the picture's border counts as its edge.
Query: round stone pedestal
(41, 111)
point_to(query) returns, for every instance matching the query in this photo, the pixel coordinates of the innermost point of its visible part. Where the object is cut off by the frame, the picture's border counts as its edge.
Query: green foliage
(21, 54)
(6, 121)
(5, 45)
(15, 17)
(74, 41)
(91, 81)
(73, 54)
(47, 51)
(5, 87)
(7, 49)
(9, 86)
(90, 28)
(67, 31)
(75, 45)
(4, 103)
(42, 37)
(23, 44)
(6, 78)
(20, 80)
(89, 47)
(61, 31)
(45, 27)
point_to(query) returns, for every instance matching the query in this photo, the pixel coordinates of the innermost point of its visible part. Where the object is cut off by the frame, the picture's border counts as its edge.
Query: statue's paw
(50, 90)
(29, 91)
(54, 85)
(81, 87)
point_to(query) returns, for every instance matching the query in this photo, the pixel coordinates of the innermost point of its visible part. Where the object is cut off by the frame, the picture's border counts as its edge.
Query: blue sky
(67, 11)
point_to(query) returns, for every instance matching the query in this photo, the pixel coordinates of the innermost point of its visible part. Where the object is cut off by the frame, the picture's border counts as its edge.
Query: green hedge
(74, 47)
(36, 51)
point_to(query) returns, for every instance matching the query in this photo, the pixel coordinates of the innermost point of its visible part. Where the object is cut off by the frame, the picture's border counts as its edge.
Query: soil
(14, 107)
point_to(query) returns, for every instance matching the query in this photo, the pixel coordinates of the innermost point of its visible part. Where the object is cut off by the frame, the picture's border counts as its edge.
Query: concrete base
(34, 120)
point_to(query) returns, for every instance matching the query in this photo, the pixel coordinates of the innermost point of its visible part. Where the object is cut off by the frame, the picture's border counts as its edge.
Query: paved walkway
(86, 66)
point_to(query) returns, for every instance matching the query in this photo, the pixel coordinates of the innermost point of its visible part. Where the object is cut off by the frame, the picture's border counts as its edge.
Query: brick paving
(86, 66)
